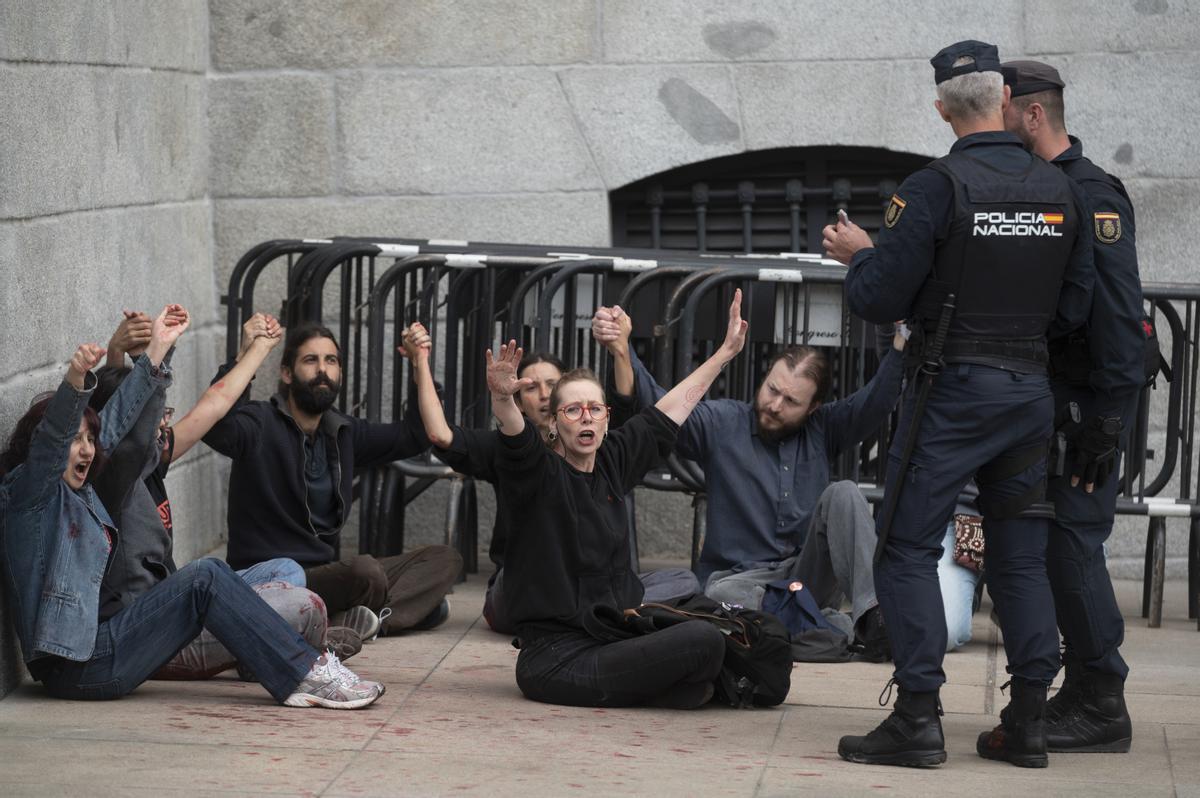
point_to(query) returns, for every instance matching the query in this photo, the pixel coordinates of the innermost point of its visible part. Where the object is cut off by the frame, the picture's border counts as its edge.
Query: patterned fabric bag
(968, 542)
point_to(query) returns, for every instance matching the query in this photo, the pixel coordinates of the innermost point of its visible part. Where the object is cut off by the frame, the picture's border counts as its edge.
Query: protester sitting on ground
(58, 540)
(570, 555)
(773, 514)
(144, 551)
(473, 452)
(290, 493)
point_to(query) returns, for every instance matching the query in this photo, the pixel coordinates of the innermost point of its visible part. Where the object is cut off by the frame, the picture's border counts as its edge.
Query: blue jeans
(958, 593)
(139, 639)
(281, 569)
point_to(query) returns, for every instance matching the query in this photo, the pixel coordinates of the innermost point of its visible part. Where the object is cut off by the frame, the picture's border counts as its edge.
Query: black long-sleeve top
(473, 452)
(568, 545)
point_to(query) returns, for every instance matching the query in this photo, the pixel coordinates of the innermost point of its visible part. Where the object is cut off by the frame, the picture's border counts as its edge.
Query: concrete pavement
(454, 723)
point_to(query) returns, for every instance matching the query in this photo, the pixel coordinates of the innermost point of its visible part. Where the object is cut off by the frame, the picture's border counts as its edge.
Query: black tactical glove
(1095, 448)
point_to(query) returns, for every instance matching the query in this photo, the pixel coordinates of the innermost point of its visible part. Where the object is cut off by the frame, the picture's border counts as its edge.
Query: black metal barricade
(472, 295)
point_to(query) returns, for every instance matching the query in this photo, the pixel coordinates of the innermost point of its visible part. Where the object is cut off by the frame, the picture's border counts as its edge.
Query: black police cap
(987, 59)
(1030, 77)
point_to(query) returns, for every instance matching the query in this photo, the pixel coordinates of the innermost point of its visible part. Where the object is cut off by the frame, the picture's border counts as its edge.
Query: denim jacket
(54, 540)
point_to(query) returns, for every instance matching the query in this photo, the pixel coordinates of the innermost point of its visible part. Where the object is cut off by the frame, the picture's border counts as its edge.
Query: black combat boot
(911, 736)
(1097, 722)
(1021, 736)
(1069, 694)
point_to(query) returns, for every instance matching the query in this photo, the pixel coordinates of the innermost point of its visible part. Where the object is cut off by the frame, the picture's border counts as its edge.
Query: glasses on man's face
(595, 412)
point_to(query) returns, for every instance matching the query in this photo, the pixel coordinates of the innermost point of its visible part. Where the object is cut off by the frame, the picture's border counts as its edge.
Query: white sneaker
(348, 677)
(332, 685)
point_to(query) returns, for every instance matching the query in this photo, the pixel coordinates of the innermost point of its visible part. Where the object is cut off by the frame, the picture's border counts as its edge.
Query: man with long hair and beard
(290, 491)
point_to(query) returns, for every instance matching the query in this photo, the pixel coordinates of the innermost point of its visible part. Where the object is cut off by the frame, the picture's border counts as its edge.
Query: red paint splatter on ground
(576, 786)
(802, 773)
(623, 756)
(681, 750)
(276, 759)
(882, 786)
(402, 732)
(250, 753)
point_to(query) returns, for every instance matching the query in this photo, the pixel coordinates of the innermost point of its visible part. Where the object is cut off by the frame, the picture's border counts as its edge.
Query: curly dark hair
(17, 451)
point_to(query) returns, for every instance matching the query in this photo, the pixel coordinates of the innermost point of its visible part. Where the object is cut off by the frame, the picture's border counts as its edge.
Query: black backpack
(757, 671)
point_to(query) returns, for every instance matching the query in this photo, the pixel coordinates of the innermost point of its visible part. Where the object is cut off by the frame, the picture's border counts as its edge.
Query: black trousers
(976, 415)
(577, 670)
(1086, 606)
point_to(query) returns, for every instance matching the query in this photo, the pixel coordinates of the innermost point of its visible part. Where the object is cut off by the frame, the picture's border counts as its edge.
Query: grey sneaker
(343, 641)
(362, 620)
(332, 685)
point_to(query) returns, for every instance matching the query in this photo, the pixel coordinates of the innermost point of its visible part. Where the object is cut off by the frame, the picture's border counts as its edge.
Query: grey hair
(973, 94)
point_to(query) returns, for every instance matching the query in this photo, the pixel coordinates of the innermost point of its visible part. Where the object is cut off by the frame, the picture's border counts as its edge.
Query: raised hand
(735, 333)
(260, 326)
(502, 370)
(612, 328)
(132, 336)
(86, 358)
(416, 344)
(169, 325)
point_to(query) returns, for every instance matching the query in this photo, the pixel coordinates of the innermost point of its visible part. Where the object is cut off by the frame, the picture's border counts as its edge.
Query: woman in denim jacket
(58, 541)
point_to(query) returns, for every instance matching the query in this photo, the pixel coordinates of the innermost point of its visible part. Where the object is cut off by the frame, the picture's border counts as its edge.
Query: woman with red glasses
(569, 553)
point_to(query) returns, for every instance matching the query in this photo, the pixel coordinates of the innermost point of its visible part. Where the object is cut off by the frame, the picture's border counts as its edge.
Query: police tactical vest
(1008, 245)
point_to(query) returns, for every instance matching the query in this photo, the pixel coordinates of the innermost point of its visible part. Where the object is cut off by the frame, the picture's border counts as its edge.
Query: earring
(552, 436)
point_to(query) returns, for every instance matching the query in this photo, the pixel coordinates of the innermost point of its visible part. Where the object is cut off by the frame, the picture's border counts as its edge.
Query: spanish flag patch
(894, 209)
(1108, 227)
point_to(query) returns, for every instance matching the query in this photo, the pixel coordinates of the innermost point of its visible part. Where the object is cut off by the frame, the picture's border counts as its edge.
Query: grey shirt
(761, 493)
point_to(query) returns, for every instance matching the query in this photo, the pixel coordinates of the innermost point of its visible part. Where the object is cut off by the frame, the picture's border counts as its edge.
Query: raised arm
(416, 346)
(50, 444)
(131, 337)
(612, 328)
(260, 334)
(678, 403)
(503, 385)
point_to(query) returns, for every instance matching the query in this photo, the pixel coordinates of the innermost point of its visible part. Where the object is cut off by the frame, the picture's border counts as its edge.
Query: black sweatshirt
(570, 548)
(473, 453)
(268, 496)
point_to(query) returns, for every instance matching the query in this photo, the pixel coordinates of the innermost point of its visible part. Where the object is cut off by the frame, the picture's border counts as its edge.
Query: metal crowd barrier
(472, 295)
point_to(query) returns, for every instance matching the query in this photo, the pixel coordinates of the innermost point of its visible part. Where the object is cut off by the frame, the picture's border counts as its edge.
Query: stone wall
(149, 144)
(103, 206)
(503, 120)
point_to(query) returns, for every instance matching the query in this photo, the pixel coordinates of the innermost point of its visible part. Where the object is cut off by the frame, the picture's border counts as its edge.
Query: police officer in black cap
(1102, 369)
(986, 253)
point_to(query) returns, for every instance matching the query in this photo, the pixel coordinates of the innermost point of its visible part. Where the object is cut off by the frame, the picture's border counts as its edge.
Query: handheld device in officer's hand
(842, 217)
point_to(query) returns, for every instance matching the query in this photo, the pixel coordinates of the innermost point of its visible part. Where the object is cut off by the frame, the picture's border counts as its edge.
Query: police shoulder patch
(1108, 227)
(894, 209)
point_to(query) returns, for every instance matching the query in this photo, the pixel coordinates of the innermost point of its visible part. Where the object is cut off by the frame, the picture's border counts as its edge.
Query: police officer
(1102, 369)
(986, 253)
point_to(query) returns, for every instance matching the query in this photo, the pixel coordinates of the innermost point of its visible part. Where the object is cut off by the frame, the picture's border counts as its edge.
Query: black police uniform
(1005, 232)
(1102, 369)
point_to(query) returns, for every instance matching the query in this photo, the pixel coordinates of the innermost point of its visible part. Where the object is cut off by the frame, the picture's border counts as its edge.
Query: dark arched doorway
(765, 201)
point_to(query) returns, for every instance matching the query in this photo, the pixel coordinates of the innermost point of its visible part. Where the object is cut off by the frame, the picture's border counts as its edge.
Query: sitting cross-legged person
(474, 453)
(291, 490)
(570, 554)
